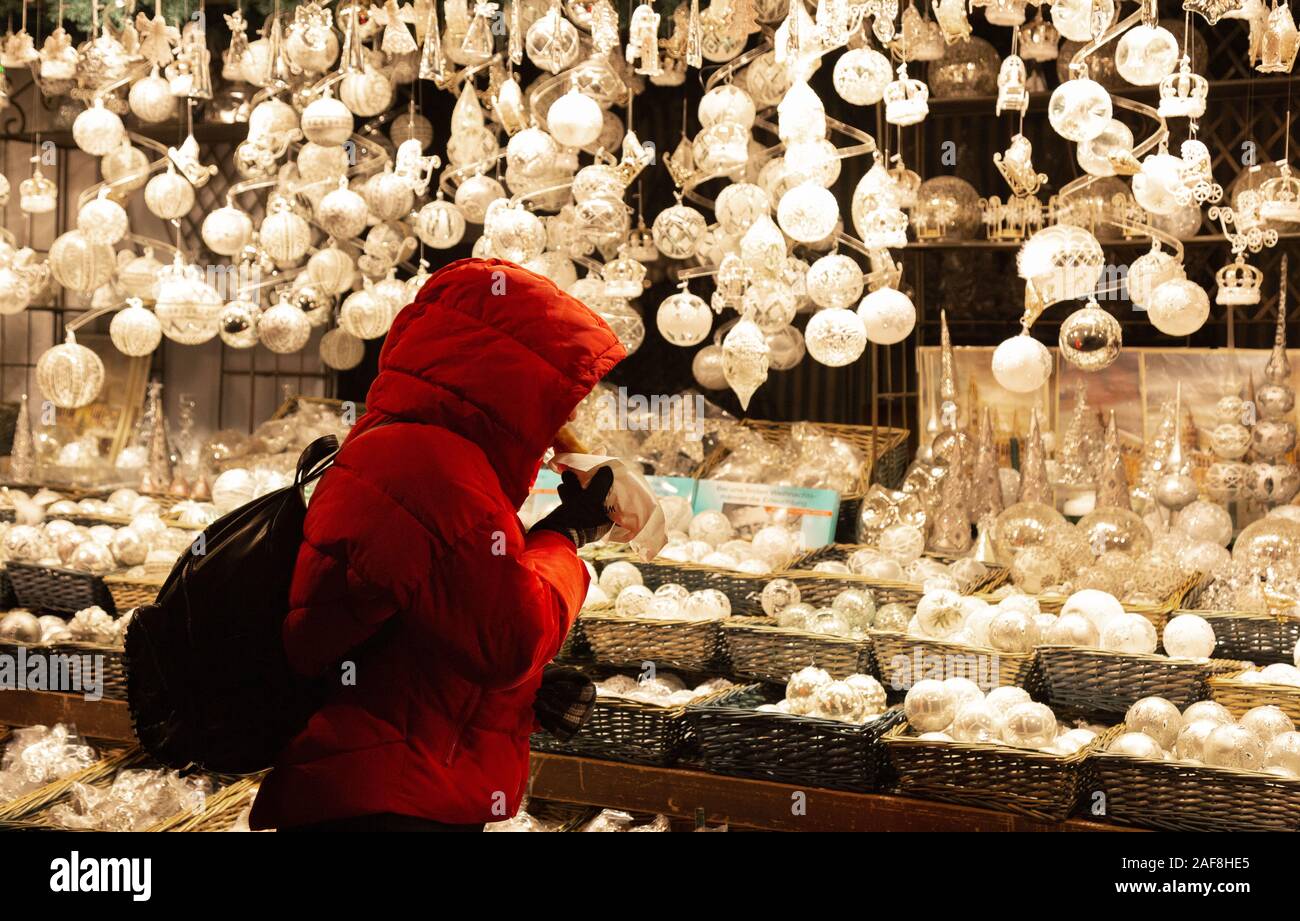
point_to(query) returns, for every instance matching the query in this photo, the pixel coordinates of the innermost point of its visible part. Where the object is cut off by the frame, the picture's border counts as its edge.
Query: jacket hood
(496, 354)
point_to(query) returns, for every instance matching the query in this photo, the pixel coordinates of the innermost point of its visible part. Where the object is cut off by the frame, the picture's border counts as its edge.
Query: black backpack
(208, 682)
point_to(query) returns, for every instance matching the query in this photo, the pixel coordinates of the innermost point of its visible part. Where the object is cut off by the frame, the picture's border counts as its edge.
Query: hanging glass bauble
(727, 103)
(684, 319)
(678, 230)
(237, 324)
(1082, 20)
(834, 281)
(102, 220)
(69, 375)
(968, 68)
(738, 205)
(327, 121)
(151, 99)
(1148, 272)
(365, 316)
(888, 316)
(947, 208)
(721, 149)
(341, 350)
(1178, 307)
(835, 337)
(411, 125)
(1090, 338)
(342, 213)
(762, 246)
(366, 92)
(514, 232)
(321, 164)
(767, 80)
(555, 266)
(136, 278)
(15, 292)
(770, 303)
(1183, 222)
(475, 194)
(283, 328)
(808, 213)
(311, 52)
(385, 246)
(97, 130)
(271, 120)
(126, 167)
(1158, 186)
(169, 195)
(861, 76)
(135, 330)
(707, 368)
(440, 224)
(785, 348)
(1079, 109)
(531, 152)
(388, 195)
(227, 230)
(1094, 155)
(744, 359)
(801, 115)
(285, 236)
(332, 269)
(186, 305)
(552, 42)
(1146, 54)
(1022, 364)
(622, 318)
(391, 291)
(815, 161)
(315, 302)
(475, 146)
(1062, 263)
(575, 119)
(1098, 207)
(79, 264)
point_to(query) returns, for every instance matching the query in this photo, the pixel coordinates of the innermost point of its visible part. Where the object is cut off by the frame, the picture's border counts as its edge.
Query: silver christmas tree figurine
(157, 476)
(1034, 486)
(1081, 444)
(1112, 479)
(986, 486)
(22, 455)
(950, 533)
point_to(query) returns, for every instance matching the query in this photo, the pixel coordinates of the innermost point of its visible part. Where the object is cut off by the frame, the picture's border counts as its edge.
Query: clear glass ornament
(1178, 307)
(475, 194)
(1148, 272)
(340, 350)
(1079, 109)
(834, 281)
(237, 324)
(283, 328)
(726, 103)
(1094, 155)
(69, 375)
(684, 319)
(738, 205)
(947, 208)
(835, 337)
(134, 330)
(762, 246)
(1146, 54)
(514, 232)
(678, 230)
(969, 68)
(770, 304)
(744, 359)
(861, 75)
(1159, 185)
(440, 224)
(1062, 262)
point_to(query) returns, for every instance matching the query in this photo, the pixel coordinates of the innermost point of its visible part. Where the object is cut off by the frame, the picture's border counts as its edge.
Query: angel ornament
(413, 167)
(643, 41)
(397, 37)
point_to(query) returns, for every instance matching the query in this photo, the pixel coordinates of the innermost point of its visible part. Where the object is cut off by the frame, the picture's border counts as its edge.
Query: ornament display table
(674, 792)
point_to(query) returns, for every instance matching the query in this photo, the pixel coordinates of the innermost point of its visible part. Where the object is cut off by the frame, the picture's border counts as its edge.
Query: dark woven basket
(626, 730)
(743, 590)
(8, 599)
(575, 647)
(1254, 637)
(1097, 681)
(902, 660)
(66, 591)
(1239, 696)
(736, 739)
(998, 777)
(1174, 796)
(840, 553)
(112, 675)
(758, 648)
(631, 641)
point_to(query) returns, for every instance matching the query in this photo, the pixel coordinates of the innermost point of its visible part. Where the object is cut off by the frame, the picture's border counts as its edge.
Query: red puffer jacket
(412, 548)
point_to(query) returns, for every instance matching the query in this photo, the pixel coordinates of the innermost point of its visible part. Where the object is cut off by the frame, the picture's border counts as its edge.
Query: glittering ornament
(186, 305)
(237, 324)
(861, 75)
(514, 232)
(342, 213)
(69, 375)
(929, 706)
(552, 42)
(135, 330)
(808, 213)
(1090, 338)
(678, 230)
(475, 194)
(835, 337)
(834, 281)
(575, 119)
(151, 99)
(1178, 307)
(888, 316)
(340, 350)
(1061, 263)
(79, 264)
(366, 92)
(365, 316)
(969, 68)
(97, 130)
(102, 220)
(226, 231)
(169, 195)
(1022, 364)
(1079, 109)
(745, 359)
(283, 328)
(684, 319)
(738, 205)
(285, 236)
(440, 224)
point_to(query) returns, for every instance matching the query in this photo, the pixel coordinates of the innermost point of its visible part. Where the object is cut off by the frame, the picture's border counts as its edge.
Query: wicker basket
(1028, 782)
(840, 553)
(758, 648)
(1174, 796)
(112, 676)
(692, 645)
(50, 588)
(1240, 696)
(1158, 614)
(629, 731)
(131, 593)
(1097, 681)
(575, 648)
(902, 660)
(35, 801)
(219, 811)
(884, 453)
(738, 740)
(8, 599)
(1254, 637)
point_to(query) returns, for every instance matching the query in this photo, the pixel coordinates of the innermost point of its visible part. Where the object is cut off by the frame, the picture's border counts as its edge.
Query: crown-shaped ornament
(1039, 39)
(907, 101)
(1183, 93)
(1002, 12)
(920, 39)
(624, 277)
(1280, 196)
(1013, 95)
(1239, 284)
(1212, 10)
(1280, 42)
(1017, 167)
(37, 195)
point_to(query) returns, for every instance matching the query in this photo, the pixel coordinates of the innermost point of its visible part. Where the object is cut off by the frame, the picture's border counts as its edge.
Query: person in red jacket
(417, 590)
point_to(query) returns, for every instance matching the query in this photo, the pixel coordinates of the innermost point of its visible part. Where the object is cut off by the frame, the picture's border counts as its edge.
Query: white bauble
(1080, 109)
(102, 220)
(1155, 717)
(135, 331)
(684, 319)
(227, 230)
(283, 328)
(1022, 364)
(341, 350)
(929, 706)
(98, 131)
(1145, 55)
(888, 316)
(1179, 307)
(835, 337)
(575, 119)
(169, 196)
(327, 122)
(151, 99)
(440, 224)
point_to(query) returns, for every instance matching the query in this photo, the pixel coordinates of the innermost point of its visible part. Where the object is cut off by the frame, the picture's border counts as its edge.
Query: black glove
(564, 700)
(581, 514)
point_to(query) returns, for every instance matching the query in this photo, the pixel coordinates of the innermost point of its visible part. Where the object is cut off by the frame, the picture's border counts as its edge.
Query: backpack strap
(316, 458)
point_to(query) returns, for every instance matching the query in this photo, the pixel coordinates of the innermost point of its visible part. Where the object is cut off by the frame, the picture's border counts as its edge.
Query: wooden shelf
(97, 719)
